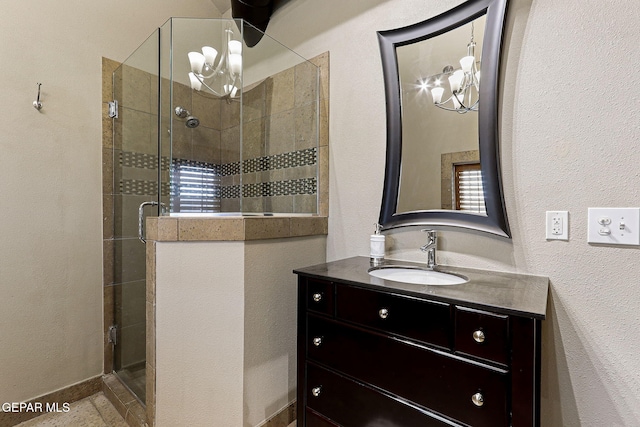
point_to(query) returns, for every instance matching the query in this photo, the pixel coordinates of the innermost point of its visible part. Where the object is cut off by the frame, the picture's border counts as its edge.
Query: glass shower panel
(205, 140)
(136, 180)
(279, 121)
(255, 148)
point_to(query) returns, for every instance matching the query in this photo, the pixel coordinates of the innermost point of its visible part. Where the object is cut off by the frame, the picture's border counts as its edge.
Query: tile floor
(93, 411)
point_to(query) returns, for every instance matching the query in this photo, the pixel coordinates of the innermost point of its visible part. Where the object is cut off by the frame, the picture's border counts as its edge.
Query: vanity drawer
(319, 296)
(432, 378)
(351, 404)
(482, 334)
(426, 321)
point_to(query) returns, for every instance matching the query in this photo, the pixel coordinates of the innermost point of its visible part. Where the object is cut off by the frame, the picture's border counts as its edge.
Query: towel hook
(37, 104)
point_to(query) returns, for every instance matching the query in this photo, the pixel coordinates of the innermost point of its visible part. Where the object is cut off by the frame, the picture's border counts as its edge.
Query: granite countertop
(508, 293)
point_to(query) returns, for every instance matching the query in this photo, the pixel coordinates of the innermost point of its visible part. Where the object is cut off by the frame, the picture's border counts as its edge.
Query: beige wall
(50, 182)
(567, 143)
(226, 329)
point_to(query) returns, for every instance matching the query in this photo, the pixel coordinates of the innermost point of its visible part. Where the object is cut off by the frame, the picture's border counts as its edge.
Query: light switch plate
(614, 226)
(557, 225)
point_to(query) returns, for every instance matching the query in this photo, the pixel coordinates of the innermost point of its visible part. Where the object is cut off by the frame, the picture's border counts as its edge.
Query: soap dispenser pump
(377, 245)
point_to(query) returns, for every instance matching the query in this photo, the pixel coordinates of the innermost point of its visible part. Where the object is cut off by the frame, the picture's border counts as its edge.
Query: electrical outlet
(557, 225)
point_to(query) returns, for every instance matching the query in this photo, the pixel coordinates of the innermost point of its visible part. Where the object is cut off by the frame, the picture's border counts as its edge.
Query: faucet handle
(431, 234)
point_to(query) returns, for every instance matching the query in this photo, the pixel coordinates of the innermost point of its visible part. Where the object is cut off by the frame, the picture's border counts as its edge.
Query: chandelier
(224, 78)
(464, 84)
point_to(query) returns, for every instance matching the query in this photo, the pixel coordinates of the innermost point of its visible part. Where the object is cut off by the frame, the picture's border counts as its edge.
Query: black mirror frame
(495, 222)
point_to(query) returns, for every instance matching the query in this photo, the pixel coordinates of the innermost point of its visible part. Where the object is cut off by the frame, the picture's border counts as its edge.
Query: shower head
(192, 122)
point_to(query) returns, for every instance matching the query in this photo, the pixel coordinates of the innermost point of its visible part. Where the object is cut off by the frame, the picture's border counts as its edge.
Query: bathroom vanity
(374, 352)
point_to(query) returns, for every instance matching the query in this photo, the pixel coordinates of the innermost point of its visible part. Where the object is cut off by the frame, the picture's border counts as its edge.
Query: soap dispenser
(377, 245)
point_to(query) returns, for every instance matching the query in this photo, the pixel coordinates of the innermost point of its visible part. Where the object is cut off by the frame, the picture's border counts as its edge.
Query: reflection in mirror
(441, 85)
(440, 125)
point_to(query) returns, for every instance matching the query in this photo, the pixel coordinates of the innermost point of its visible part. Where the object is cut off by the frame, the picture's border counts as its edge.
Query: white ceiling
(222, 5)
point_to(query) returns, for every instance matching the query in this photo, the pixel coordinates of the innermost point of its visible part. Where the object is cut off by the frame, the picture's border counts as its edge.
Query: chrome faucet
(430, 248)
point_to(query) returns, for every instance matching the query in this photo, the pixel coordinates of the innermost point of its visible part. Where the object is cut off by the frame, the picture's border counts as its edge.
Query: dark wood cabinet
(379, 356)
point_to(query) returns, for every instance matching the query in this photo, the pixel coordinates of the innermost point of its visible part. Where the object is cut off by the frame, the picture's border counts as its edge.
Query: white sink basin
(417, 276)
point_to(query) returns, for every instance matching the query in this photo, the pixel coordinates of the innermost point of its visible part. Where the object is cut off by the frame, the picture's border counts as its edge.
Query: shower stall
(198, 133)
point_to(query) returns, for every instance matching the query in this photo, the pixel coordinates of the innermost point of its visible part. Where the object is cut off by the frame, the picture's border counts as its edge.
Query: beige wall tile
(322, 62)
(279, 91)
(107, 127)
(280, 133)
(208, 110)
(306, 83)
(253, 138)
(167, 229)
(150, 372)
(210, 229)
(306, 126)
(266, 228)
(107, 216)
(230, 145)
(108, 67)
(108, 316)
(323, 133)
(309, 226)
(205, 145)
(229, 114)
(305, 203)
(136, 90)
(254, 103)
(151, 272)
(107, 262)
(107, 171)
(151, 333)
(323, 180)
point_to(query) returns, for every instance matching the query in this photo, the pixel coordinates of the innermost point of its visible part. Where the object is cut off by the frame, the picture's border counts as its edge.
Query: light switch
(614, 226)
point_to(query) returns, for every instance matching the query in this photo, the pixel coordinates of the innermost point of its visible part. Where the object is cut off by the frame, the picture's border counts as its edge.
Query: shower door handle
(141, 218)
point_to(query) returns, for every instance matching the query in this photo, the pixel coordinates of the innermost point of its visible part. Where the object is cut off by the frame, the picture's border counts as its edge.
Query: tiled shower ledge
(238, 228)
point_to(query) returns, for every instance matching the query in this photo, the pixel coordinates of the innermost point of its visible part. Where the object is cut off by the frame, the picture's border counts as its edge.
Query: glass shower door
(136, 181)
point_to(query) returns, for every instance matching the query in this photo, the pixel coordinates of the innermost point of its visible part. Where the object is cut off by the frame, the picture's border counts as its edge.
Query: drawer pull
(478, 336)
(383, 313)
(316, 391)
(317, 341)
(317, 297)
(477, 399)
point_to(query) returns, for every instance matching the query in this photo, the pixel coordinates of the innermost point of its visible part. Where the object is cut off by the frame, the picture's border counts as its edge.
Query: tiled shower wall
(279, 142)
(280, 158)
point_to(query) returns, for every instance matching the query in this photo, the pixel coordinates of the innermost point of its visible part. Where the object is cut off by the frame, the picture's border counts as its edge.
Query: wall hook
(37, 104)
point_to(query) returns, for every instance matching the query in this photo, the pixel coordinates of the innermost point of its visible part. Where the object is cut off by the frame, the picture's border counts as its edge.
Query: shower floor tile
(93, 411)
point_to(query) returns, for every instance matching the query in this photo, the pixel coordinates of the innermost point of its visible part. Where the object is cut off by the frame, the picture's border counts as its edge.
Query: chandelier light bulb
(456, 98)
(467, 63)
(209, 54)
(235, 63)
(436, 94)
(478, 76)
(235, 47)
(196, 59)
(455, 80)
(195, 82)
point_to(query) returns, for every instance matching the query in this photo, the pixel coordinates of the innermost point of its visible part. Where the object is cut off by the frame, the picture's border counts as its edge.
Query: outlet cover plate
(557, 225)
(614, 226)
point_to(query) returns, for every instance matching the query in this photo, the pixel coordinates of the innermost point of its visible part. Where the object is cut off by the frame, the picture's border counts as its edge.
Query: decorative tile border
(291, 159)
(130, 159)
(141, 187)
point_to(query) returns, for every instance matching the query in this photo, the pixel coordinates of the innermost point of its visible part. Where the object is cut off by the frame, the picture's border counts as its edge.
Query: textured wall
(569, 128)
(50, 182)
(226, 329)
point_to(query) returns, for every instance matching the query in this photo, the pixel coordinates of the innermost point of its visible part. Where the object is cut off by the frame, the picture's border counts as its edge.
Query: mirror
(441, 84)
